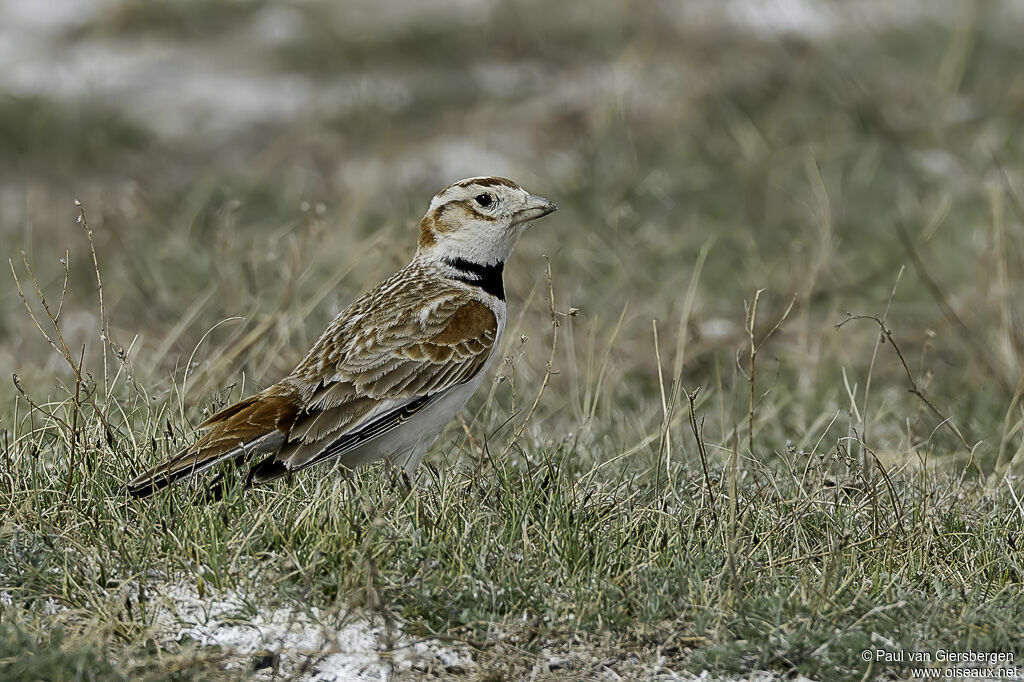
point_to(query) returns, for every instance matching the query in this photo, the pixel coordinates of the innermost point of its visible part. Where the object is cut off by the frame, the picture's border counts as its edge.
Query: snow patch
(303, 643)
(753, 676)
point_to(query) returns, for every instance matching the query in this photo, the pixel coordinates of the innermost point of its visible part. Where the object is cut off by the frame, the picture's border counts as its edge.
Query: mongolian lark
(395, 366)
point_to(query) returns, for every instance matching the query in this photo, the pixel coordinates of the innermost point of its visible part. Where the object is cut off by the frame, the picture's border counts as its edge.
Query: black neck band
(487, 277)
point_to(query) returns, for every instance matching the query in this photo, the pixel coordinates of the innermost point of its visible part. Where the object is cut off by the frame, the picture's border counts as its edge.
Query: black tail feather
(157, 482)
(268, 469)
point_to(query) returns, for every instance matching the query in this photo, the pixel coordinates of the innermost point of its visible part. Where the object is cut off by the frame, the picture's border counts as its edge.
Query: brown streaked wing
(415, 355)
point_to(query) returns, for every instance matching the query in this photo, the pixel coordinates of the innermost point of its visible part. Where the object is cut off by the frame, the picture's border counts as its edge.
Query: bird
(391, 369)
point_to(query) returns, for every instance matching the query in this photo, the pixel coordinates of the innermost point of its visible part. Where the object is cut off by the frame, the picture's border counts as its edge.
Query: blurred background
(248, 167)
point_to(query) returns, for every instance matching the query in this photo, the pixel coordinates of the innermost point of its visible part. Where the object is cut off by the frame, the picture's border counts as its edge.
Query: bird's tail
(256, 425)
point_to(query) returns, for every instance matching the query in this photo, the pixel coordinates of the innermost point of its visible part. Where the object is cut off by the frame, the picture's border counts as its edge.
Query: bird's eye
(484, 200)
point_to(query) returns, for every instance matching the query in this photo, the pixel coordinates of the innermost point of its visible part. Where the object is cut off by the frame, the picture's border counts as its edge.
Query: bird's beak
(536, 207)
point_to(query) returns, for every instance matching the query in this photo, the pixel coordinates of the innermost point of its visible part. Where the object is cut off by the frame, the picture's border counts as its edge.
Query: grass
(818, 555)
(821, 495)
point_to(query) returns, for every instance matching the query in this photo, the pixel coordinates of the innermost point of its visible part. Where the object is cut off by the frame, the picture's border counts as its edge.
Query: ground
(766, 416)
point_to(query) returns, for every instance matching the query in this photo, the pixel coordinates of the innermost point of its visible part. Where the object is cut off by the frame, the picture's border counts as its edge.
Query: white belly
(407, 444)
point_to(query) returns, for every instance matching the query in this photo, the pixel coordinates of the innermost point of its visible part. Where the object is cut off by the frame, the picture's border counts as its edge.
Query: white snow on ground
(755, 676)
(309, 648)
(306, 645)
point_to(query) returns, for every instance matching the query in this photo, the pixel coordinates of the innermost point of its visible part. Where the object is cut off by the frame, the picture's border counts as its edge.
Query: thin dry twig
(64, 287)
(665, 441)
(74, 426)
(549, 368)
(671, 400)
(874, 357)
(950, 313)
(60, 345)
(469, 435)
(104, 336)
(753, 349)
(698, 435)
(915, 388)
(752, 367)
(24, 300)
(36, 406)
(896, 505)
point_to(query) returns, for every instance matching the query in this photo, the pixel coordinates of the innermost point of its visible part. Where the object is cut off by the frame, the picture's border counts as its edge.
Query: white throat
(483, 247)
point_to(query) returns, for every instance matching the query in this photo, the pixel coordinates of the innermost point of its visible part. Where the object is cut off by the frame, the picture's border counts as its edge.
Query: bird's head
(479, 220)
